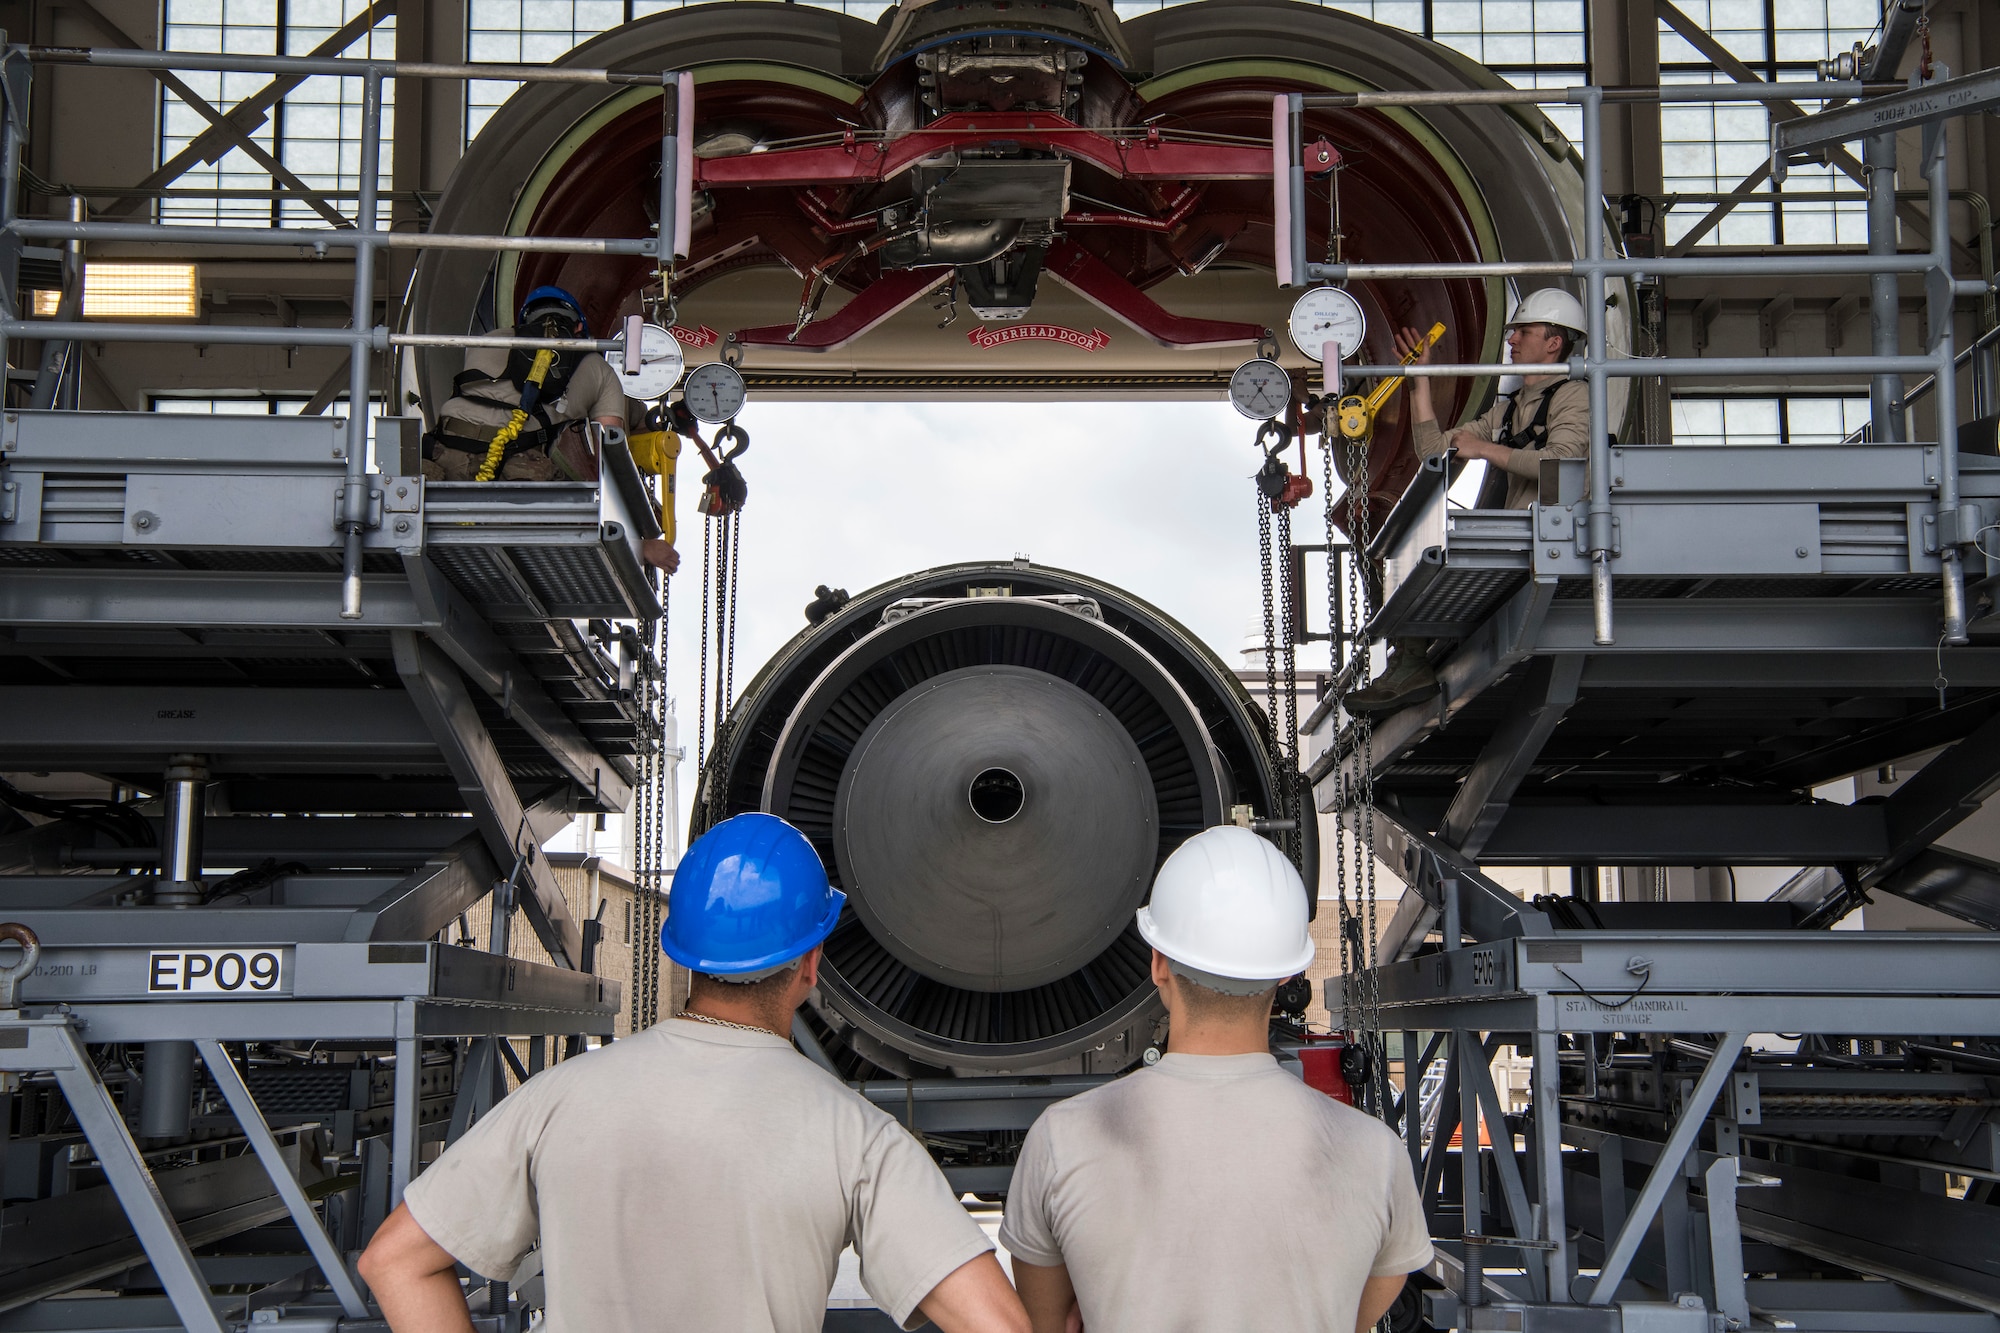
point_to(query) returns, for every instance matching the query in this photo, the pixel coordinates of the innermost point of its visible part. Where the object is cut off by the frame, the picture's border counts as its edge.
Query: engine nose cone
(996, 828)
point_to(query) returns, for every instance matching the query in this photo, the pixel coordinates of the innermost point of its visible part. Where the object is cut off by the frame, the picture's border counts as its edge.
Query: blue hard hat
(750, 894)
(543, 296)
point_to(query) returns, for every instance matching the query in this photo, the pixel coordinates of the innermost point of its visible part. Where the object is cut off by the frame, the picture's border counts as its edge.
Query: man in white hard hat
(1213, 1191)
(1547, 416)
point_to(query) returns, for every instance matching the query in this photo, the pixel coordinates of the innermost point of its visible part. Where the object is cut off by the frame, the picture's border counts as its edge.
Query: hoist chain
(727, 565)
(1361, 604)
(1281, 672)
(1336, 648)
(1354, 833)
(1293, 841)
(1270, 640)
(701, 697)
(721, 539)
(650, 813)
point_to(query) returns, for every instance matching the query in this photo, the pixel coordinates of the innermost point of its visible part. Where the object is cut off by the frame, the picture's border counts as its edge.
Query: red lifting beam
(1140, 155)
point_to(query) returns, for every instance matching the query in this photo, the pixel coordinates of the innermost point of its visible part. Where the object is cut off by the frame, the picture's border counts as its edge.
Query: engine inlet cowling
(993, 761)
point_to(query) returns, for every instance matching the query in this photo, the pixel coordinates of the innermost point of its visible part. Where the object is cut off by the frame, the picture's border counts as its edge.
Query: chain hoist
(724, 492)
(1278, 493)
(1351, 420)
(651, 804)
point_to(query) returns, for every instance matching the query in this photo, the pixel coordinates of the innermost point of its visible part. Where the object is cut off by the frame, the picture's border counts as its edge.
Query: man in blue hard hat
(702, 1174)
(517, 414)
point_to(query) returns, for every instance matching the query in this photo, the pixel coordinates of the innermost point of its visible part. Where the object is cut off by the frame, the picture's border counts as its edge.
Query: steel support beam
(1546, 1107)
(446, 707)
(237, 1093)
(468, 639)
(1725, 1241)
(1817, 833)
(1513, 1190)
(53, 1045)
(1620, 1253)
(1487, 655)
(1966, 95)
(1482, 798)
(1942, 795)
(426, 900)
(403, 1124)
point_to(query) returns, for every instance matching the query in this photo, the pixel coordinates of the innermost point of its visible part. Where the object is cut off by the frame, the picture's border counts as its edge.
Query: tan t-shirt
(1214, 1193)
(593, 390)
(1568, 426)
(698, 1177)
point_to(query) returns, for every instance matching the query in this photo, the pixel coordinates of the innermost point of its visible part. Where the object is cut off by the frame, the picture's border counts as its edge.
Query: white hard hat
(1229, 904)
(1550, 305)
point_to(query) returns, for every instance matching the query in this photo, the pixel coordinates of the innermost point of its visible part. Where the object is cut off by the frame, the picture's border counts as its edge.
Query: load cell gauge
(1260, 389)
(660, 363)
(714, 392)
(1328, 315)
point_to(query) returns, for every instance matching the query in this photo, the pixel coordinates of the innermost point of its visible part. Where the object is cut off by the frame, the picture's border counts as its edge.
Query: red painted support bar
(871, 306)
(1076, 267)
(1148, 156)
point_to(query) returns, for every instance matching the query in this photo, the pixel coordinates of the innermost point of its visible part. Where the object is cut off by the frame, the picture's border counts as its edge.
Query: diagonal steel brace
(51, 1044)
(1665, 1171)
(237, 1093)
(220, 124)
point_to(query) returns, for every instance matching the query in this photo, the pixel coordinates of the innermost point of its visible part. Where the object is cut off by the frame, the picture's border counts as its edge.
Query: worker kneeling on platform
(519, 414)
(1548, 416)
(1214, 1192)
(702, 1174)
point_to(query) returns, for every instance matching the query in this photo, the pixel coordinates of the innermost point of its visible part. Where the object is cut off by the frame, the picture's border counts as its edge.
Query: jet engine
(993, 760)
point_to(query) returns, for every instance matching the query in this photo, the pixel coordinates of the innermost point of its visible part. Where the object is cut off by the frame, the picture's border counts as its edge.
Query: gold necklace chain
(694, 1017)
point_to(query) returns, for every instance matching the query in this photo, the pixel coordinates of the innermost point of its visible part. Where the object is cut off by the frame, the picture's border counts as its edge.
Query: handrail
(364, 235)
(1597, 367)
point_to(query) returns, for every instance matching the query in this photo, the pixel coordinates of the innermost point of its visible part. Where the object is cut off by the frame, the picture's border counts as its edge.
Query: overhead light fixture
(132, 291)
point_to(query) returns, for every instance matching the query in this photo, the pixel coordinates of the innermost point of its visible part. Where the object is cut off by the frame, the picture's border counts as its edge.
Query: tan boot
(1408, 680)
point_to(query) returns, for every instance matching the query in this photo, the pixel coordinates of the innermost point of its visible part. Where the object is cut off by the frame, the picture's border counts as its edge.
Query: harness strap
(1537, 433)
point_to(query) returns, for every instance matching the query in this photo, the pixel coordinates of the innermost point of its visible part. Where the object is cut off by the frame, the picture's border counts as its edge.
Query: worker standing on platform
(518, 414)
(1213, 1192)
(1548, 416)
(702, 1174)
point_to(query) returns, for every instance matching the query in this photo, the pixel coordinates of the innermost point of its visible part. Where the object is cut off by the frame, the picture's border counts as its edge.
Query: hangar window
(252, 404)
(1531, 43)
(314, 131)
(1750, 419)
(1722, 149)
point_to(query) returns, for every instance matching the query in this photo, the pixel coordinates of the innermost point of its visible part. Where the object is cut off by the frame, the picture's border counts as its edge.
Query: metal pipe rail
(1646, 367)
(365, 237)
(341, 66)
(1618, 93)
(1597, 367)
(331, 238)
(379, 338)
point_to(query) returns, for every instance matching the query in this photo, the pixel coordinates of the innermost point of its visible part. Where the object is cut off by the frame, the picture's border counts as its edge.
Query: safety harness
(1537, 433)
(1493, 491)
(539, 377)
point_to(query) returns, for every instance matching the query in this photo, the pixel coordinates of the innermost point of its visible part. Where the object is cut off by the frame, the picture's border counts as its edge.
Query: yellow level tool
(1356, 414)
(1382, 391)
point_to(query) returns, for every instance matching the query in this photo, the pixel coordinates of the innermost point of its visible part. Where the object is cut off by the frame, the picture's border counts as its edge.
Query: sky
(1155, 498)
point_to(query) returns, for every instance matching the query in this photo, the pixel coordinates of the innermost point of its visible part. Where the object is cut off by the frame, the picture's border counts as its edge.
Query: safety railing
(364, 236)
(1900, 109)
